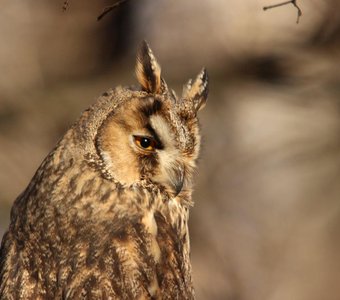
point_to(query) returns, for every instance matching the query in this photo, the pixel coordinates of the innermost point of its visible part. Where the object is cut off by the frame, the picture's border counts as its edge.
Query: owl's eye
(145, 142)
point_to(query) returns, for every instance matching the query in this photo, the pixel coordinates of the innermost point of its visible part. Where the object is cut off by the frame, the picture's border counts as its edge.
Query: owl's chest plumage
(96, 239)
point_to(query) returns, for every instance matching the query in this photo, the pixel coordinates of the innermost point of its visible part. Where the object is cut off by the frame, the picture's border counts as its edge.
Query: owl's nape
(105, 215)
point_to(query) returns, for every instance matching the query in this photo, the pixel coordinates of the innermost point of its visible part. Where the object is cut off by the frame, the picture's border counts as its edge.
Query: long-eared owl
(106, 214)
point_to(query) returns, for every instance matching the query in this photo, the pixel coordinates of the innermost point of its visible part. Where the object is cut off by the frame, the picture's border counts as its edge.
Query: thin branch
(110, 8)
(277, 5)
(299, 11)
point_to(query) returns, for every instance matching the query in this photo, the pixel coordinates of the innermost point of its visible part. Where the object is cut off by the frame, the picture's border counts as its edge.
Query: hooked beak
(176, 179)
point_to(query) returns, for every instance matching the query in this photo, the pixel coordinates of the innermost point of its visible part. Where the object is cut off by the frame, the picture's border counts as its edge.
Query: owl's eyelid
(140, 136)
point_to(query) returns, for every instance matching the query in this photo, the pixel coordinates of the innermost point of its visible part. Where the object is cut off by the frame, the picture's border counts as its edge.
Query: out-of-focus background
(266, 221)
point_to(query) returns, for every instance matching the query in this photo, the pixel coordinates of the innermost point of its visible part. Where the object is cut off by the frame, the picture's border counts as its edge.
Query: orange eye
(144, 142)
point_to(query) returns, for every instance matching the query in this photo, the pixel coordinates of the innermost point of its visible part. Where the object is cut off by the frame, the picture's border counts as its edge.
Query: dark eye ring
(145, 142)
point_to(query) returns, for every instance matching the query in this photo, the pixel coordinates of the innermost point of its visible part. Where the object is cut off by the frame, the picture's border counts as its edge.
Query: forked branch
(299, 11)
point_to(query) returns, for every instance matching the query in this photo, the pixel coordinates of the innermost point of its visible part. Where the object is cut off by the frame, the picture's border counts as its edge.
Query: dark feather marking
(102, 264)
(73, 182)
(89, 284)
(91, 257)
(145, 60)
(87, 188)
(116, 272)
(105, 196)
(149, 109)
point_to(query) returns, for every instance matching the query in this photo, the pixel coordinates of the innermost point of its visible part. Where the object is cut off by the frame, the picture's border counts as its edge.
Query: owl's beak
(178, 186)
(176, 177)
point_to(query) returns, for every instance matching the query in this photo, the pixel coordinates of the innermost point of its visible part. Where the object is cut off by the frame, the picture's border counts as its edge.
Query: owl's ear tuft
(197, 91)
(148, 71)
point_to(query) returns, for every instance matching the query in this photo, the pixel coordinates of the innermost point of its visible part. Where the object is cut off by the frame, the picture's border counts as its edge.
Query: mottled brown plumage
(105, 216)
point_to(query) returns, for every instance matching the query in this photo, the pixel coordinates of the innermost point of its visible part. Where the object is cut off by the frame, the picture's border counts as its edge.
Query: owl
(106, 214)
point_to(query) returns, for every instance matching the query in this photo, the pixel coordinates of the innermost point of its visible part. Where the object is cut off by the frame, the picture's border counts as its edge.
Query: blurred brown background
(266, 221)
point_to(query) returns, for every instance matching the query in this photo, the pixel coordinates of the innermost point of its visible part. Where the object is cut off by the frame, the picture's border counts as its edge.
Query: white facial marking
(169, 156)
(162, 128)
(170, 153)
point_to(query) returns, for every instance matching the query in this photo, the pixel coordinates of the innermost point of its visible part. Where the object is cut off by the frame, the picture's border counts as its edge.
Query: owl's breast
(93, 236)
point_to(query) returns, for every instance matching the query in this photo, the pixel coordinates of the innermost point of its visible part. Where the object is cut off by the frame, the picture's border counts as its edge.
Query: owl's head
(150, 134)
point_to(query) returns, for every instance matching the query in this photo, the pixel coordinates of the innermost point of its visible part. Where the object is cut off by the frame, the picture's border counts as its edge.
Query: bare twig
(299, 11)
(109, 8)
(105, 11)
(277, 5)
